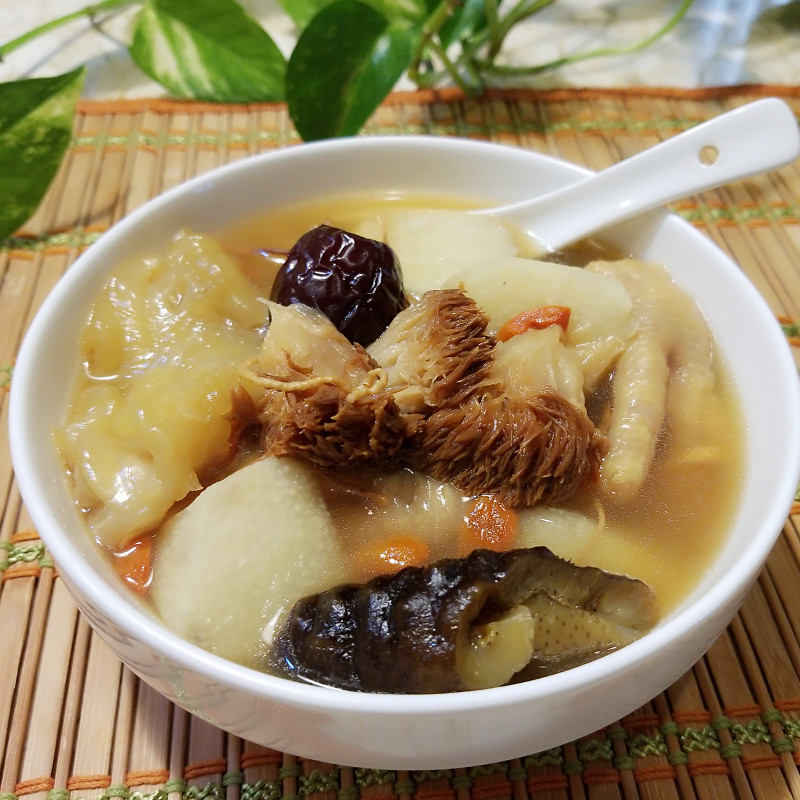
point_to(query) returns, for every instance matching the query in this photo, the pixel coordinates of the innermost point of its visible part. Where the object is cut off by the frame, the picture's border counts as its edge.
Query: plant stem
(89, 11)
(489, 67)
(490, 10)
(429, 43)
(523, 9)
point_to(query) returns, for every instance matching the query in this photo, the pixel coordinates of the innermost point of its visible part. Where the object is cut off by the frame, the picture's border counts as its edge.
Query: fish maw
(243, 552)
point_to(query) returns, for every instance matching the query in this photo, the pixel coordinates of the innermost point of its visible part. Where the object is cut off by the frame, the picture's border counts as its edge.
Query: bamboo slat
(74, 723)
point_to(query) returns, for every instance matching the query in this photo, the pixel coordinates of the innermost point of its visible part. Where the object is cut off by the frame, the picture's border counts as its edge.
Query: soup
(191, 468)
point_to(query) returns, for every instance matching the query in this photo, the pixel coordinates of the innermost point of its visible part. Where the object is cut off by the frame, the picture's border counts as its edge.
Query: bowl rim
(137, 624)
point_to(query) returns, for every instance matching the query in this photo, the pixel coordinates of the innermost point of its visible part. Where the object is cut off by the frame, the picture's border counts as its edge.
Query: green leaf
(399, 10)
(467, 18)
(775, 20)
(303, 11)
(36, 120)
(208, 51)
(344, 64)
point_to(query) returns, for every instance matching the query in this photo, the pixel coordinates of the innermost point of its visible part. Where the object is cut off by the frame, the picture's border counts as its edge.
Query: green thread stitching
(669, 729)
(617, 733)
(290, 771)
(214, 791)
(234, 778)
(6, 374)
(26, 552)
(754, 732)
(376, 777)
(514, 774)
(261, 790)
(489, 769)
(573, 768)
(709, 215)
(554, 757)
(731, 751)
(432, 775)
(591, 750)
(704, 739)
(319, 781)
(189, 139)
(791, 727)
(677, 759)
(623, 763)
(595, 750)
(603, 124)
(641, 746)
(23, 553)
(782, 745)
(790, 329)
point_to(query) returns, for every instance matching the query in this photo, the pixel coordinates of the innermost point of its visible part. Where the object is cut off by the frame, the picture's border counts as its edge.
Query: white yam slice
(435, 243)
(504, 288)
(230, 564)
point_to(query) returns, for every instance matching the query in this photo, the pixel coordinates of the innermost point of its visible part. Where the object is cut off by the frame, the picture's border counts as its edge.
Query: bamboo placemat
(75, 724)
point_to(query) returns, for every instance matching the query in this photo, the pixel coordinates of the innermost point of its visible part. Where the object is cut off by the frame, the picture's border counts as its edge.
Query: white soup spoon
(749, 140)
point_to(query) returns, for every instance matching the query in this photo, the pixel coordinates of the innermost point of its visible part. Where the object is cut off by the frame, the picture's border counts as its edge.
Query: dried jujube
(356, 282)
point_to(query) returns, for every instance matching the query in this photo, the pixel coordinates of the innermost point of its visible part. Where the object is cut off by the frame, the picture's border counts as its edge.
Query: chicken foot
(666, 370)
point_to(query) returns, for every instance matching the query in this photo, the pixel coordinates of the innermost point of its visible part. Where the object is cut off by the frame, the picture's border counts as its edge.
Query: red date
(356, 282)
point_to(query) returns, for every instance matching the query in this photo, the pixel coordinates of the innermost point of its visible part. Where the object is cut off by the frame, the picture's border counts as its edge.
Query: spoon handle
(754, 138)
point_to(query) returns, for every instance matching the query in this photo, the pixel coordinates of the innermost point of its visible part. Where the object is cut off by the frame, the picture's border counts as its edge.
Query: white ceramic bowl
(431, 731)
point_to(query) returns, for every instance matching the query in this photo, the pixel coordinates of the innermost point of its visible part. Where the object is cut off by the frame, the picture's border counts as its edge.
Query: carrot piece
(391, 555)
(134, 564)
(536, 319)
(490, 524)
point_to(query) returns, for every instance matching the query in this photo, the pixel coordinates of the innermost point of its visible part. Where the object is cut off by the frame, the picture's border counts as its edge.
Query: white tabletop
(721, 42)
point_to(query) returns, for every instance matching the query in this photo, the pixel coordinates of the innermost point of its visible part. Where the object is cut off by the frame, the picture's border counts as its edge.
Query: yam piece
(433, 244)
(236, 559)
